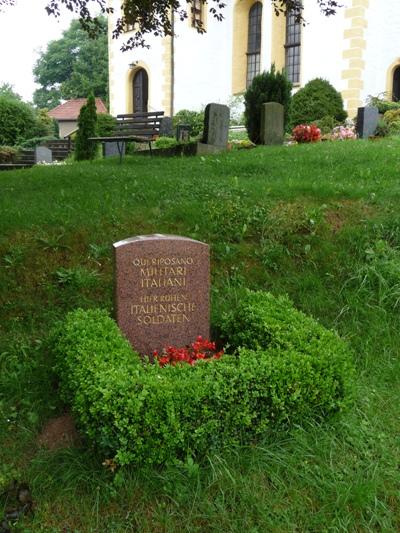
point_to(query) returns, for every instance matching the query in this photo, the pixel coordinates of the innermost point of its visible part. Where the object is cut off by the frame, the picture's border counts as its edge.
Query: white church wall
(322, 45)
(203, 63)
(382, 40)
(120, 70)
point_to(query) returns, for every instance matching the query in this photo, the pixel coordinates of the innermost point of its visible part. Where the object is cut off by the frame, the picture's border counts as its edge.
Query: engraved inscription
(154, 275)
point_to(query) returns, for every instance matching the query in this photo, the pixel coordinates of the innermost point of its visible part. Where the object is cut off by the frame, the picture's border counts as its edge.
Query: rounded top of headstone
(155, 237)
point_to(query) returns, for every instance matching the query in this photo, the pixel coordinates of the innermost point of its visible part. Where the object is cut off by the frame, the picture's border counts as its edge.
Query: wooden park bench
(141, 127)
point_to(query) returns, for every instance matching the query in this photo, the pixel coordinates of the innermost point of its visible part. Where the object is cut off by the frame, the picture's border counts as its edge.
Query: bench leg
(151, 152)
(120, 146)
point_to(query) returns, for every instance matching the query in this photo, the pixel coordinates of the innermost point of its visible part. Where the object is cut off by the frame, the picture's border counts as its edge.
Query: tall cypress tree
(85, 149)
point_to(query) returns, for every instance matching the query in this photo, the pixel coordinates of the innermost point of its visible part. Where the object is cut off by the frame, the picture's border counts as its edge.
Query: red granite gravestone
(162, 291)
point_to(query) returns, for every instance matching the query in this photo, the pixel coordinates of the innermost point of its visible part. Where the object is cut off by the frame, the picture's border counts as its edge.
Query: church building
(357, 51)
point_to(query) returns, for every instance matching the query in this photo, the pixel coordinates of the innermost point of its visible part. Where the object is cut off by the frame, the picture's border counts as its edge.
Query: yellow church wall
(353, 55)
(278, 39)
(240, 31)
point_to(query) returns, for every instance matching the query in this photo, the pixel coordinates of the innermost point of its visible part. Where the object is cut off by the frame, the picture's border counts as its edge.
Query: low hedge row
(137, 412)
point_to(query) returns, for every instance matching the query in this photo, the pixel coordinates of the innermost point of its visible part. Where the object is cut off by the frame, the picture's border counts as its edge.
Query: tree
(72, 66)
(7, 90)
(17, 121)
(153, 17)
(271, 86)
(85, 149)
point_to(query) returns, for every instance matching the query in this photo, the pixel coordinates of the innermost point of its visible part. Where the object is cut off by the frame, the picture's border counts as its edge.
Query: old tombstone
(272, 123)
(161, 290)
(367, 121)
(110, 148)
(183, 132)
(166, 127)
(216, 129)
(43, 154)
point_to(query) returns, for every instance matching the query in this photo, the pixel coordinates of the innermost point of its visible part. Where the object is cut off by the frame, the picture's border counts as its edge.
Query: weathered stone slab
(367, 121)
(207, 149)
(166, 127)
(272, 123)
(183, 132)
(161, 290)
(216, 125)
(43, 154)
(110, 148)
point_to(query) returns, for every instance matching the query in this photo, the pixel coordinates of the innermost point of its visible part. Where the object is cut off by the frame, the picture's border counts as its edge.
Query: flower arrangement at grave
(306, 133)
(343, 133)
(198, 350)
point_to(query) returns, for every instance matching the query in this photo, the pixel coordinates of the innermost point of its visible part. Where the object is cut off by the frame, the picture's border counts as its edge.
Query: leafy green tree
(271, 86)
(154, 17)
(72, 67)
(17, 121)
(6, 89)
(85, 149)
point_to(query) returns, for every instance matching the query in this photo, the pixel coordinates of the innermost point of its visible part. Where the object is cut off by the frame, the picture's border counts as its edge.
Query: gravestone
(216, 125)
(110, 148)
(161, 291)
(183, 132)
(272, 123)
(367, 121)
(166, 127)
(43, 154)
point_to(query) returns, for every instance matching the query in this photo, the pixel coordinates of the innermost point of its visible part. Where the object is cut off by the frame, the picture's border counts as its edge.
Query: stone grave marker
(161, 290)
(367, 121)
(166, 127)
(216, 129)
(272, 123)
(110, 148)
(43, 154)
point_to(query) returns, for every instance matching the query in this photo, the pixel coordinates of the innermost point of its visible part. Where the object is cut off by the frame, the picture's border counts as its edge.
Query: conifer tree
(84, 148)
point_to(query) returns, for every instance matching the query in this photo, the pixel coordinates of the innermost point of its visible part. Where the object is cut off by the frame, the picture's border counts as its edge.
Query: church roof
(70, 109)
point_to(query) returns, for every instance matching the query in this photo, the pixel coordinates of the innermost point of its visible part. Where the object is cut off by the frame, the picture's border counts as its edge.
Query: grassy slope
(318, 222)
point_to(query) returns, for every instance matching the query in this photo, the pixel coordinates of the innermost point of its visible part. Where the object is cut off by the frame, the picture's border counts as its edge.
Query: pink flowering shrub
(306, 133)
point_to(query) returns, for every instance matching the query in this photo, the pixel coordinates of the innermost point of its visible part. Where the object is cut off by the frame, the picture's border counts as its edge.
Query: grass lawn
(320, 223)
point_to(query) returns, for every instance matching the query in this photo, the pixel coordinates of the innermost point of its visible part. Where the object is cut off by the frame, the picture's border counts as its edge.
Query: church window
(254, 42)
(292, 48)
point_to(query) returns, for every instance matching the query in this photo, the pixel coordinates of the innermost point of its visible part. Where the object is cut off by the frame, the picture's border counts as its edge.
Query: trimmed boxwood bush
(316, 100)
(137, 412)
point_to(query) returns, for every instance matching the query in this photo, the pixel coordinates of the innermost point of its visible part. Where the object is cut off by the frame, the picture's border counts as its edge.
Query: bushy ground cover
(319, 223)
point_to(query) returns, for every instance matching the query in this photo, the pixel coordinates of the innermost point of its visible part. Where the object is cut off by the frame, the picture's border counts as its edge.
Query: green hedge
(316, 100)
(139, 413)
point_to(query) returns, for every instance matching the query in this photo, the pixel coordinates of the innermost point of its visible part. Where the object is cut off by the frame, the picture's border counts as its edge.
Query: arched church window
(292, 48)
(396, 85)
(254, 42)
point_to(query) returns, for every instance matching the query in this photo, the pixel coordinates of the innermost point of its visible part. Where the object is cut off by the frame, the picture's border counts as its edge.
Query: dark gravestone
(166, 127)
(216, 125)
(161, 291)
(110, 148)
(272, 123)
(367, 121)
(43, 154)
(183, 132)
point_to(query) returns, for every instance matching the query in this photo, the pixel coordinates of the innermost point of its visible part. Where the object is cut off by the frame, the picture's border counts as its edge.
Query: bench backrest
(143, 124)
